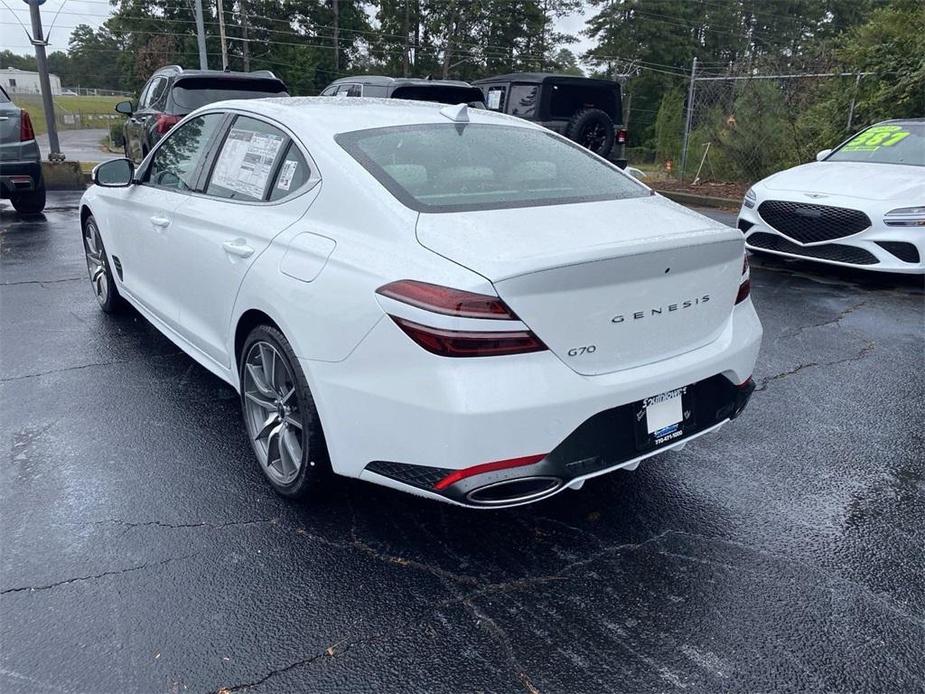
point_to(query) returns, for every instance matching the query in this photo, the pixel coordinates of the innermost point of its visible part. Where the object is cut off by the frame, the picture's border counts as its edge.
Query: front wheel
(280, 415)
(98, 267)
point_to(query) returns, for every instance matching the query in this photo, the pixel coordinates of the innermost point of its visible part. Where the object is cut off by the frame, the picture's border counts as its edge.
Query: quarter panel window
(523, 100)
(495, 98)
(292, 174)
(176, 162)
(247, 161)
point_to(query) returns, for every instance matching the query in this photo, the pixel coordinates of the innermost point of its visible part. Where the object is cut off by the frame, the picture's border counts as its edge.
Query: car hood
(849, 179)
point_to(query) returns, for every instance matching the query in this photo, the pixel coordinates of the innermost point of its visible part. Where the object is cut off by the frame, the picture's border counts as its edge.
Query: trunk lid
(606, 285)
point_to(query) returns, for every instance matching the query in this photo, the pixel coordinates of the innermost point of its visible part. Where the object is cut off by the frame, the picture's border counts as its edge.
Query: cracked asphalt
(141, 550)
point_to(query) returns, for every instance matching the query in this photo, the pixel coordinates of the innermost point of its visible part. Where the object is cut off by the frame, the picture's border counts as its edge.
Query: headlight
(905, 217)
(750, 198)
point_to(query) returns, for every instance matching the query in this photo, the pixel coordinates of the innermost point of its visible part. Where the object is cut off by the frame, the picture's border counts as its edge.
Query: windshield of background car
(4, 99)
(475, 166)
(890, 143)
(190, 94)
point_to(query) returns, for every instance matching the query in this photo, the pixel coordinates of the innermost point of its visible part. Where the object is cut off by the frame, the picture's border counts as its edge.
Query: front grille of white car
(831, 251)
(809, 223)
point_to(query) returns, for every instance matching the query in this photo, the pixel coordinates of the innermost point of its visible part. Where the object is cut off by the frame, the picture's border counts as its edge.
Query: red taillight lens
(26, 131)
(745, 287)
(450, 302)
(470, 343)
(621, 137)
(164, 122)
(458, 475)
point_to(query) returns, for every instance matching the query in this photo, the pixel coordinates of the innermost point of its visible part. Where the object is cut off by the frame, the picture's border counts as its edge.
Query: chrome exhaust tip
(513, 491)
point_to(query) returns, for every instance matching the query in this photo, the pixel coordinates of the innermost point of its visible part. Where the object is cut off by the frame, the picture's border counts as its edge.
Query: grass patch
(72, 111)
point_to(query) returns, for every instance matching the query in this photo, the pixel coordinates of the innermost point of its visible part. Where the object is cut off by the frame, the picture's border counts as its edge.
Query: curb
(65, 175)
(700, 200)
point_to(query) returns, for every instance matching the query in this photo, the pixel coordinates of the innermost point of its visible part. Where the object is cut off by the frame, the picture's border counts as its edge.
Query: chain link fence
(743, 125)
(72, 112)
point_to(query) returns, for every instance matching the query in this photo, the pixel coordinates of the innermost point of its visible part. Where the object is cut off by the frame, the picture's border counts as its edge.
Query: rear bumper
(392, 402)
(20, 177)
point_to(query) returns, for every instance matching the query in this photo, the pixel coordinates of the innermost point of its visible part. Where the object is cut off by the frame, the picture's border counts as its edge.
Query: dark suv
(441, 91)
(587, 111)
(173, 92)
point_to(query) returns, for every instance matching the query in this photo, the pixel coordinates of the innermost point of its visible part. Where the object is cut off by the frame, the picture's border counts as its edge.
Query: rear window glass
(566, 99)
(890, 143)
(439, 94)
(190, 94)
(454, 168)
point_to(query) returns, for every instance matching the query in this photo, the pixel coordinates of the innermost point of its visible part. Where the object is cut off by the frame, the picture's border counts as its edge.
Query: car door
(131, 128)
(143, 117)
(260, 182)
(149, 211)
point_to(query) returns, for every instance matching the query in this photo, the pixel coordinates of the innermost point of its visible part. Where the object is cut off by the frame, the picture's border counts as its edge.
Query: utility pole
(405, 56)
(854, 96)
(221, 33)
(335, 5)
(201, 36)
(38, 40)
(244, 48)
(687, 122)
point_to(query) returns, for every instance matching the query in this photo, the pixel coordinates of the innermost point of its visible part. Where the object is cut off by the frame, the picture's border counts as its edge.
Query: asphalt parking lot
(143, 552)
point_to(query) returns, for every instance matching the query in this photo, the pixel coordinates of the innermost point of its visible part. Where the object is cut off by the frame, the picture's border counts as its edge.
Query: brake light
(164, 122)
(745, 286)
(450, 302)
(470, 343)
(26, 131)
(458, 475)
(622, 135)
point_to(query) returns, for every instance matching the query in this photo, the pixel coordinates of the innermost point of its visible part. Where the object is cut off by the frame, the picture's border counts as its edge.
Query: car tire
(99, 268)
(29, 203)
(592, 128)
(280, 416)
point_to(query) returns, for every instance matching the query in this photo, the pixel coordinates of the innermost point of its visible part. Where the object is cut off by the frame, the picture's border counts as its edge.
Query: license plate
(662, 418)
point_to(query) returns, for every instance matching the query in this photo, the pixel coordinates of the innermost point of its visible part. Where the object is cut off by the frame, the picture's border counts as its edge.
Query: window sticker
(873, 139)
(494, 99)
(286, 174)
(246, 161)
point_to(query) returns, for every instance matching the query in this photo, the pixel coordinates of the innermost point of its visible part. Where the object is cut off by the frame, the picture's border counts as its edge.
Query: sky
(70, 13)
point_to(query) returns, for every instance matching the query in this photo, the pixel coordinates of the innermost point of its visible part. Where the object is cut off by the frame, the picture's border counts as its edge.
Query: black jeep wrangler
(587, 111)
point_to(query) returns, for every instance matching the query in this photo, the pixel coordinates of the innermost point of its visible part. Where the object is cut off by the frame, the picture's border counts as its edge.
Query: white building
(23, 82)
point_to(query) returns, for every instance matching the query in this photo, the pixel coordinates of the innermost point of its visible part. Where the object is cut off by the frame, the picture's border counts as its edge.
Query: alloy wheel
(271, 412)
(96, 261)
(593, 137)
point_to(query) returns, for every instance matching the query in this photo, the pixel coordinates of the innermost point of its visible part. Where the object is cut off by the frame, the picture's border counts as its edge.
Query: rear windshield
(190, 94)
(456, 168)
(440, 94)
(891, 143)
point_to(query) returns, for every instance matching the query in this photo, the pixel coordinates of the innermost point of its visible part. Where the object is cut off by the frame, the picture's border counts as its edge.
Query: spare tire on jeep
(593, 129)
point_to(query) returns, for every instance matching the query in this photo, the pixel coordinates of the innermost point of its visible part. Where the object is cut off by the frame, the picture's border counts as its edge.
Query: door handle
(238, 247)
(161, 222)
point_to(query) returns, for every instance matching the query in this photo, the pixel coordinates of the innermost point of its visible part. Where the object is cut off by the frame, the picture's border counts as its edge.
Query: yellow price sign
(874, 138)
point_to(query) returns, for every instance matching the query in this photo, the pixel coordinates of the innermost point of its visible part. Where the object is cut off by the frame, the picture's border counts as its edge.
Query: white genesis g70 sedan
(860, 205)
(450, 302)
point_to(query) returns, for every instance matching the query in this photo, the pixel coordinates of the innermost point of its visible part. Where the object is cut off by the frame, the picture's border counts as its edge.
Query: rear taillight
(745, 286)
(164, 122)
(621, 136)
(26, 131)
(454, 342)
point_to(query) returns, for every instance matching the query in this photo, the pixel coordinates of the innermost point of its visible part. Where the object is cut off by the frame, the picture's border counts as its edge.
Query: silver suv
(20, 160)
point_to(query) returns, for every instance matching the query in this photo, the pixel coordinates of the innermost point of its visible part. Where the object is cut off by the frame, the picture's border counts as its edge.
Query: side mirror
(125, 108)
(823, 154)
(116, 173)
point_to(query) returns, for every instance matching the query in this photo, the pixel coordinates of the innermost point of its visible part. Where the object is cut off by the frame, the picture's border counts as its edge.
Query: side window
(349, 90)
(176, 162)
(495, 100)
(523, 100)
(246, 161)
(157, 92)
(293, 173)
(330, 91)
(143, 97)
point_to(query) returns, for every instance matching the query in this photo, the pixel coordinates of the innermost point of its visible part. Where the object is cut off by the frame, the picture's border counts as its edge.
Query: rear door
(259, 183)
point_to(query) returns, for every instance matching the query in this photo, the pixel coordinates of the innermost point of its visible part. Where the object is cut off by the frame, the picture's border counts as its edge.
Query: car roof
(323, 115)
(383, 80)
(541, 77)
(901, 120)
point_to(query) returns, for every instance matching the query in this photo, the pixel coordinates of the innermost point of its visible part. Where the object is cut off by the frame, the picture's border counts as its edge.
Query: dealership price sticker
(246, 161)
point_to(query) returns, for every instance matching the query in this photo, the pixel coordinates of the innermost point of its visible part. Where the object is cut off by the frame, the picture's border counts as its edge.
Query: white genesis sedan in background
(454, 303)
(860, 205)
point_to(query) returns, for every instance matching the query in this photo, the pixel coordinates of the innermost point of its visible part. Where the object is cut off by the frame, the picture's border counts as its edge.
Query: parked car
(438, 299)
(587, 111)
(173, 92)
(859, 205)
(440, 91)
(20, 160)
